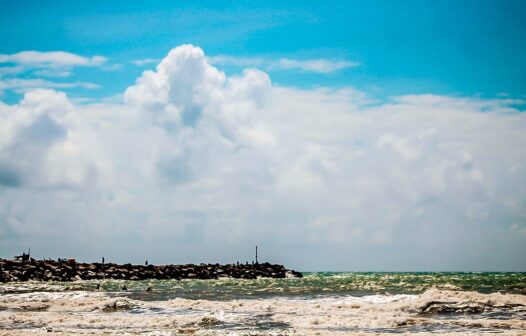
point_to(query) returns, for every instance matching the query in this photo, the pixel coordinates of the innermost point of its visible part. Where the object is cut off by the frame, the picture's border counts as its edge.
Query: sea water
(317, 304)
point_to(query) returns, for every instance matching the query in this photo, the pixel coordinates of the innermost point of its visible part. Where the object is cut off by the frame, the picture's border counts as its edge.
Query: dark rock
(71, 270)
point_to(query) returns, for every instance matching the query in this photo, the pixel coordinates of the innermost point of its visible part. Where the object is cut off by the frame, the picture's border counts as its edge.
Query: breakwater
(50, 270)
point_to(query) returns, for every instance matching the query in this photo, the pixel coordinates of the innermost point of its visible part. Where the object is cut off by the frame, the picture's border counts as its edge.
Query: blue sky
(447, 47)
(371, 135)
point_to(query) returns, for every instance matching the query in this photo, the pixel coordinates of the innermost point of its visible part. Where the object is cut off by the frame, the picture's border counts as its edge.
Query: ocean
(326, 303)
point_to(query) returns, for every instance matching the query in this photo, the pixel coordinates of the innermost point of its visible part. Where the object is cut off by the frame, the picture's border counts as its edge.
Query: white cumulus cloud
(196, 165)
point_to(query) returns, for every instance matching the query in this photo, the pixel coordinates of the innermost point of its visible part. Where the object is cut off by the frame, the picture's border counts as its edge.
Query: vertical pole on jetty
(256, 254)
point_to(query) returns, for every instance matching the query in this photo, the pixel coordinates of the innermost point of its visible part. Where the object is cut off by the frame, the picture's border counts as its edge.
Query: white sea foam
(82, 313)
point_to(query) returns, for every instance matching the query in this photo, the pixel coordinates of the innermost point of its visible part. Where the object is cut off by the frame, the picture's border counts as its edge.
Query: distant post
(256, 254)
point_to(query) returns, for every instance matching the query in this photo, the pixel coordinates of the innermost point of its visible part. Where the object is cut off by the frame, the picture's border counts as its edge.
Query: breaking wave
(319, 305)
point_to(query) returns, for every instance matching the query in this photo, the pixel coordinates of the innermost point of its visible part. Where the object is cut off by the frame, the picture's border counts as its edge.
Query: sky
(336, 136)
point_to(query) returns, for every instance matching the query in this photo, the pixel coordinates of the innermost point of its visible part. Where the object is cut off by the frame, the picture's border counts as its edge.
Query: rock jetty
(50, 270)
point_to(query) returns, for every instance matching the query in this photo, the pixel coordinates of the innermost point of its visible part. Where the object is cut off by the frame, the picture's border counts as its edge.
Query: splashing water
(319, 303)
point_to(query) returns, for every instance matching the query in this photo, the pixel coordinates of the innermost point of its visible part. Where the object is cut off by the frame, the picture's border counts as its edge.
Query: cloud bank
(198, 166)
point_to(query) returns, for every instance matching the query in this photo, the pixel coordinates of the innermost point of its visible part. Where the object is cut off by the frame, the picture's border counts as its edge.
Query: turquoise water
(328, 303)
(312, 285)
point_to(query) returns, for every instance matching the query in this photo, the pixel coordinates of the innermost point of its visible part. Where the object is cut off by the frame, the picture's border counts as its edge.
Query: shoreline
(50, 270)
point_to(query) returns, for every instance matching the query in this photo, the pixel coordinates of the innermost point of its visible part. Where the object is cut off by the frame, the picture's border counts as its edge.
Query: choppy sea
(317, 304)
